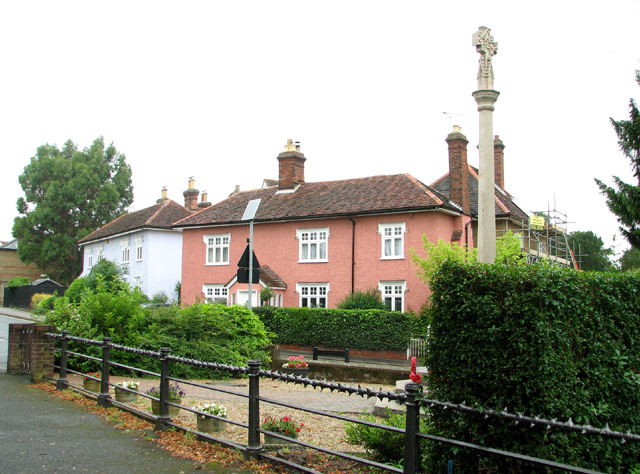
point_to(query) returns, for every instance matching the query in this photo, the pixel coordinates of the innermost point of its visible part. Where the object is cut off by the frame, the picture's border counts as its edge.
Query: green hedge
(542, 341)
(353, 329)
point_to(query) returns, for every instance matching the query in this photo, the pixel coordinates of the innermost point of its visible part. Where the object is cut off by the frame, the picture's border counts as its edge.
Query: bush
(160, 298)
(18, 281)
(230, 335)
(44, 305)
(543, 341)
(367, 299)
(37, 298)
(385, 446)
(76, 290)
(354, 329)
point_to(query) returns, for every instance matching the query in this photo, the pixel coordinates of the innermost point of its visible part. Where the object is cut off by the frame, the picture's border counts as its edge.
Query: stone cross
(487, 47)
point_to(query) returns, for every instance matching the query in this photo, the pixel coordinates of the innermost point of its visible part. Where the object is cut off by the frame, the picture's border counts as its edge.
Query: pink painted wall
(276, 245)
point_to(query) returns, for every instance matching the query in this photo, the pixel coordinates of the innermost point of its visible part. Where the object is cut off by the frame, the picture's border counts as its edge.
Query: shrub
(385, 446)
(44, 305)
(37, 298)
(160, 298)
(108, 273)
(359, 299)
(265, 295)
(230, 335)
(76, 290)
(356, 329)
(543, 341)
(18, 281)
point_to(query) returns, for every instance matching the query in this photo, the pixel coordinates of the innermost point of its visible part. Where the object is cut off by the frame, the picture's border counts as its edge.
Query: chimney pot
(290, 166)
(191, 195)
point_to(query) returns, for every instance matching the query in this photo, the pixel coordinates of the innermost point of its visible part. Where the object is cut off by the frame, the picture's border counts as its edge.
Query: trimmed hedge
(353, 329)
(542, 341)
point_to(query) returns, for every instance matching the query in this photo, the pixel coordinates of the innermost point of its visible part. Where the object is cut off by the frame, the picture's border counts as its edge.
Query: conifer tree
(624, 201)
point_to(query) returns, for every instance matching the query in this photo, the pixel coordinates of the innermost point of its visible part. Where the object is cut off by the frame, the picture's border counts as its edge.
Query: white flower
(130, 384)
(213, 409)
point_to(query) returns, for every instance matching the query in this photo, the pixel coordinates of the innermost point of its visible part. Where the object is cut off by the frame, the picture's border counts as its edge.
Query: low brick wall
(393, 355)
(354, 371)
(30, 351)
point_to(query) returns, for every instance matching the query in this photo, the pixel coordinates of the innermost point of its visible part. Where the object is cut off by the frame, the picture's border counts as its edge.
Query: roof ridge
(425, 188)
(163, 204)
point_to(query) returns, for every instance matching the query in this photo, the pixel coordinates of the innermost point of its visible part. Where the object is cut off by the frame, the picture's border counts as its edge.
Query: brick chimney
(164, 195)
(458, 169)
(290, 166)
(498, 161)
(203, 201)
(191, 195)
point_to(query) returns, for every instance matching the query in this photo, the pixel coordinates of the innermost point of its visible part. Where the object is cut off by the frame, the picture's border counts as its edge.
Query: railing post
(254, 446)
(411, 441)
(163, 415)
(104, 399)
(62, 382)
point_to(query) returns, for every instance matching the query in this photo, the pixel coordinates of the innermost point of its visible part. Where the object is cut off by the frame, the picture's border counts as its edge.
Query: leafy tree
(508, 252)
(624, 201)
(68, 194)
(630, 259)
(590, 252)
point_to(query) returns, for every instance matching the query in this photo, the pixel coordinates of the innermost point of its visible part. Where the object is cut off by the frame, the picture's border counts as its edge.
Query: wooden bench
(325, 352)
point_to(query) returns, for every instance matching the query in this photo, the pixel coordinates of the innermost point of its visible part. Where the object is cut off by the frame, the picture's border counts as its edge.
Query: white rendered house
(145, 244)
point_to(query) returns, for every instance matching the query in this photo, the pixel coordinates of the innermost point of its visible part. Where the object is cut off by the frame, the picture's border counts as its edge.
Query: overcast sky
(214, 89)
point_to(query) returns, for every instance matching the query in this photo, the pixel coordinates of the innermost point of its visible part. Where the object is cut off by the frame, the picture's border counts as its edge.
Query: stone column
(485, 97)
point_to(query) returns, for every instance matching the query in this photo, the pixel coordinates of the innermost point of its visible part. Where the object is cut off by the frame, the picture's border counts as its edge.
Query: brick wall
(30, 351)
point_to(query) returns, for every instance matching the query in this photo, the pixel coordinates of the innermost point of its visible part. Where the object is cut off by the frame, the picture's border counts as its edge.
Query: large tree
(624, 201)
(589, 250)
(68, 194)
(630, 260)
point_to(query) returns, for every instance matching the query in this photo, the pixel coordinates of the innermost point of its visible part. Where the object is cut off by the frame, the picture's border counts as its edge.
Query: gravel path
(321, 430)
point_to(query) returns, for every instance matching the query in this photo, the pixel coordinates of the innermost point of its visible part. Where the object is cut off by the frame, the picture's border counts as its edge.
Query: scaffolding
(547, 238)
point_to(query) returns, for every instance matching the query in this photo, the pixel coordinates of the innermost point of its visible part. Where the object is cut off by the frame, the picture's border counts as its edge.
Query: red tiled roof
(375, 194)
(159, 216)
(271, 278)
(505, 205)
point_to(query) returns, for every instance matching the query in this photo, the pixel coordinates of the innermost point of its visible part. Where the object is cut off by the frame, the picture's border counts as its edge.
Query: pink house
(318, 241)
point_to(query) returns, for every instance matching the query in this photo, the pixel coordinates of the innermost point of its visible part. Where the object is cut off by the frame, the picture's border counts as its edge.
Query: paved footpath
(44, 434)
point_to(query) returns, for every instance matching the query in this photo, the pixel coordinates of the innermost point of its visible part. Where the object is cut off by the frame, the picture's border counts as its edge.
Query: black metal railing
(412, 398)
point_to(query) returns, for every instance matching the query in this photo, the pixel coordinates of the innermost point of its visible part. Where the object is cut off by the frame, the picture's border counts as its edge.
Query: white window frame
(100, 253)
(313, 245)
(137, 282)
(213, 292)
(218, 249)
(89, 257)
(392, 293)
(313, 295)
(392, 240)
(139, 249)
(125, 250)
